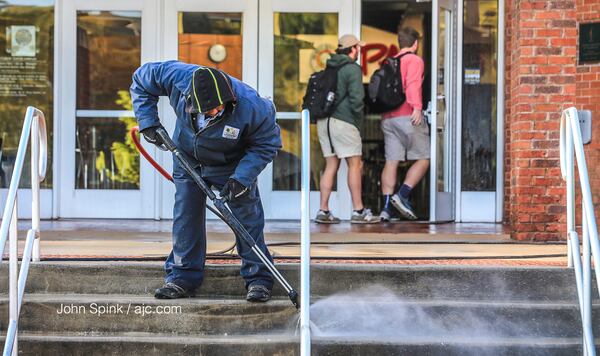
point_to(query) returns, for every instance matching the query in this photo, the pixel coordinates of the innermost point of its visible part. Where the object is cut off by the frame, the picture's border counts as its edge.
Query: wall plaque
(589, 42)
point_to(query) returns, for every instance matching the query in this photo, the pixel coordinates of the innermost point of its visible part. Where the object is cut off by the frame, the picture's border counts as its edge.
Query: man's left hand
(233, 190)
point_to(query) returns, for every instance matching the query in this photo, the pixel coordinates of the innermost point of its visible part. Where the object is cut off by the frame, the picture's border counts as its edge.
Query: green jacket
(350, 93)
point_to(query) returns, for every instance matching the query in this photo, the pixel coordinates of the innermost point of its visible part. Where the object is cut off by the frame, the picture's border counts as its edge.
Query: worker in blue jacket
(230, 132)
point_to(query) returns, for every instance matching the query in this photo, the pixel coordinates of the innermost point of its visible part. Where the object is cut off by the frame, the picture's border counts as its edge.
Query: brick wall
(541, 77)
(588, 97)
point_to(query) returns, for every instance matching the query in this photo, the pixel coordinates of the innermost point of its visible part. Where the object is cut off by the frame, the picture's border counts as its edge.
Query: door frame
(348, 11)
(442, 205)
(482, 206)
(75, 203)
(169, 51)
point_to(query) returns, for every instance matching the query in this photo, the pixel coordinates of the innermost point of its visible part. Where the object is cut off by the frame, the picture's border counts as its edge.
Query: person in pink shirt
(405, 132)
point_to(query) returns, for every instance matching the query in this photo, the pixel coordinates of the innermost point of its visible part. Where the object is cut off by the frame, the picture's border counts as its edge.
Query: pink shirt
(411, 68)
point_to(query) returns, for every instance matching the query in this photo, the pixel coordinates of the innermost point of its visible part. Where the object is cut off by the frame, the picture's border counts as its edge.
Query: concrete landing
(403, 242)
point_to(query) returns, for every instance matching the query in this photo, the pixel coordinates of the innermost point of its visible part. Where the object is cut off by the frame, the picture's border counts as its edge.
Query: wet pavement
(401, 242)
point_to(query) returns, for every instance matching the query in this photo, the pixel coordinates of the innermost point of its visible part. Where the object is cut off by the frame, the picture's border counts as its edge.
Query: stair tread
(278, 301)
(283, 338)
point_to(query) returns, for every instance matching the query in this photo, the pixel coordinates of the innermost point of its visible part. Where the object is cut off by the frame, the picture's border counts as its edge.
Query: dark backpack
(320, 95)
(385, 87)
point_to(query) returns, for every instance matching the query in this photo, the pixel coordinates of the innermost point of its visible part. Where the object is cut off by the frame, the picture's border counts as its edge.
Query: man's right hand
(417, 117)
(151, 136)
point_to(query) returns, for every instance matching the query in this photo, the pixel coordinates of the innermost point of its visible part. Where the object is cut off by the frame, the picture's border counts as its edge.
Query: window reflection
(287, 165)
(108, 52)
(211, 39)
(303, 43)
(26, 78)
(105, 157)
(479, 95)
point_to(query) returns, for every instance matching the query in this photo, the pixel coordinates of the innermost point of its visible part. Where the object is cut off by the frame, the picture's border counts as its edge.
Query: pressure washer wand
(227, 215)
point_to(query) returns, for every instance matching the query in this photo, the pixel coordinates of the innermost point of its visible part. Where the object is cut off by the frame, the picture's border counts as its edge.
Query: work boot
(170, 290)
(364, 217)
(388, 214)
(326, 217)
(403, 206)
(258, 293)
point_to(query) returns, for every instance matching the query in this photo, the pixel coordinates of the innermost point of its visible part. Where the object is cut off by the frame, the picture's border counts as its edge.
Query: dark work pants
(185, 264)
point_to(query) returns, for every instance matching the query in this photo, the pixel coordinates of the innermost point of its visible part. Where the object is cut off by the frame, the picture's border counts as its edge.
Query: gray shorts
(403, 141)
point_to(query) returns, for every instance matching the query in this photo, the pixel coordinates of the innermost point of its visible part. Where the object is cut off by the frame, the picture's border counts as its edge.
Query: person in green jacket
(339, 134)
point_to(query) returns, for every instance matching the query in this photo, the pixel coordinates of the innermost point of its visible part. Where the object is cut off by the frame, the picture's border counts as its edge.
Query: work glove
(233, 190)
(151, 136)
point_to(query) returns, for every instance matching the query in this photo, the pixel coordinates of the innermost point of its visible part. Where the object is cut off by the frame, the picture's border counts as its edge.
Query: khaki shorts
(403, 141)
(345, 138)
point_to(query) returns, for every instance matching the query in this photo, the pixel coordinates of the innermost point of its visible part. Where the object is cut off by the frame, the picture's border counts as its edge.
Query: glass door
(442, 111)
(296, 38)
(27, 77)
(221, 34)
(102, 175)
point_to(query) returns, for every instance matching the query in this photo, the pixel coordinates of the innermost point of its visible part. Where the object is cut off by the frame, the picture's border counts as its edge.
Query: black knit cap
(210, 88)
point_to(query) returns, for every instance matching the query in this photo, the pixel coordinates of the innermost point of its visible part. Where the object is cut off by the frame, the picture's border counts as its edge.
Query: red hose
(133, 133)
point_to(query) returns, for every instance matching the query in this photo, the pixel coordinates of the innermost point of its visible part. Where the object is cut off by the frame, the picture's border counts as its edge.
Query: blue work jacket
(240, 144)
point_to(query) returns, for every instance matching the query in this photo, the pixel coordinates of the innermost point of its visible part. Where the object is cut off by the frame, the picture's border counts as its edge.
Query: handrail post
(13, 276)
(305, 239)
(35, 184)
(571, 151)
(570, 166)
(586, 195)
(586, 279)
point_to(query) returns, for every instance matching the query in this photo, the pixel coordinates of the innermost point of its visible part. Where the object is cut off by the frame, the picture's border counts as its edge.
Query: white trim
(169, 50)
(288, 115)
(435, 28)
(103, 113)
(75, 202)
(57, 110)
(459, 115)
(479, 205)
(500, 114)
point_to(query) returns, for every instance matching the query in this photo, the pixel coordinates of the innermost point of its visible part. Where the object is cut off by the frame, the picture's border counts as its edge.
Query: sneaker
(326, 218)
(366, 217)
(258, 293)
(388, 214)
(170, 290)
(403, 206)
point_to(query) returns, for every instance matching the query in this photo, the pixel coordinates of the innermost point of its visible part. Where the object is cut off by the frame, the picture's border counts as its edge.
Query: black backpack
(320, 95)
(385, 87)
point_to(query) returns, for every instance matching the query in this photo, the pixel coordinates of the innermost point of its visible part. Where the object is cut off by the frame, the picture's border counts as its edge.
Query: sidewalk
(398, 243)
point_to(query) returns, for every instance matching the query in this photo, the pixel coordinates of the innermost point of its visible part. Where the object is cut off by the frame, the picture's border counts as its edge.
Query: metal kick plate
(585, 122)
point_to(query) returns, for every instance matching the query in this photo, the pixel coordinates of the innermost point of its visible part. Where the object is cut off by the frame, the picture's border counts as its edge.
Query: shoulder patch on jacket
(231, 132)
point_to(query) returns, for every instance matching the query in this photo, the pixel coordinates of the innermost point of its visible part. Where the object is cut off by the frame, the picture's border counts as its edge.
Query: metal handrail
(305, 239)
(570, 140)
(34, 125)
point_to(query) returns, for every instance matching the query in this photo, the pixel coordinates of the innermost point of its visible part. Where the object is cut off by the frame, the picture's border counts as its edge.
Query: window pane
(479, 95)
(26, 78)
(105, 156)
(108, 52)
(212, 39)
(287, 164)
(303, 42)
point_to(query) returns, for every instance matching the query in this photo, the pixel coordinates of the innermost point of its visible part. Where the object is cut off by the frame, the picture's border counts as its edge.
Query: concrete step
(439, 282)
(336, 318)
(117, 313)
(149, 344)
